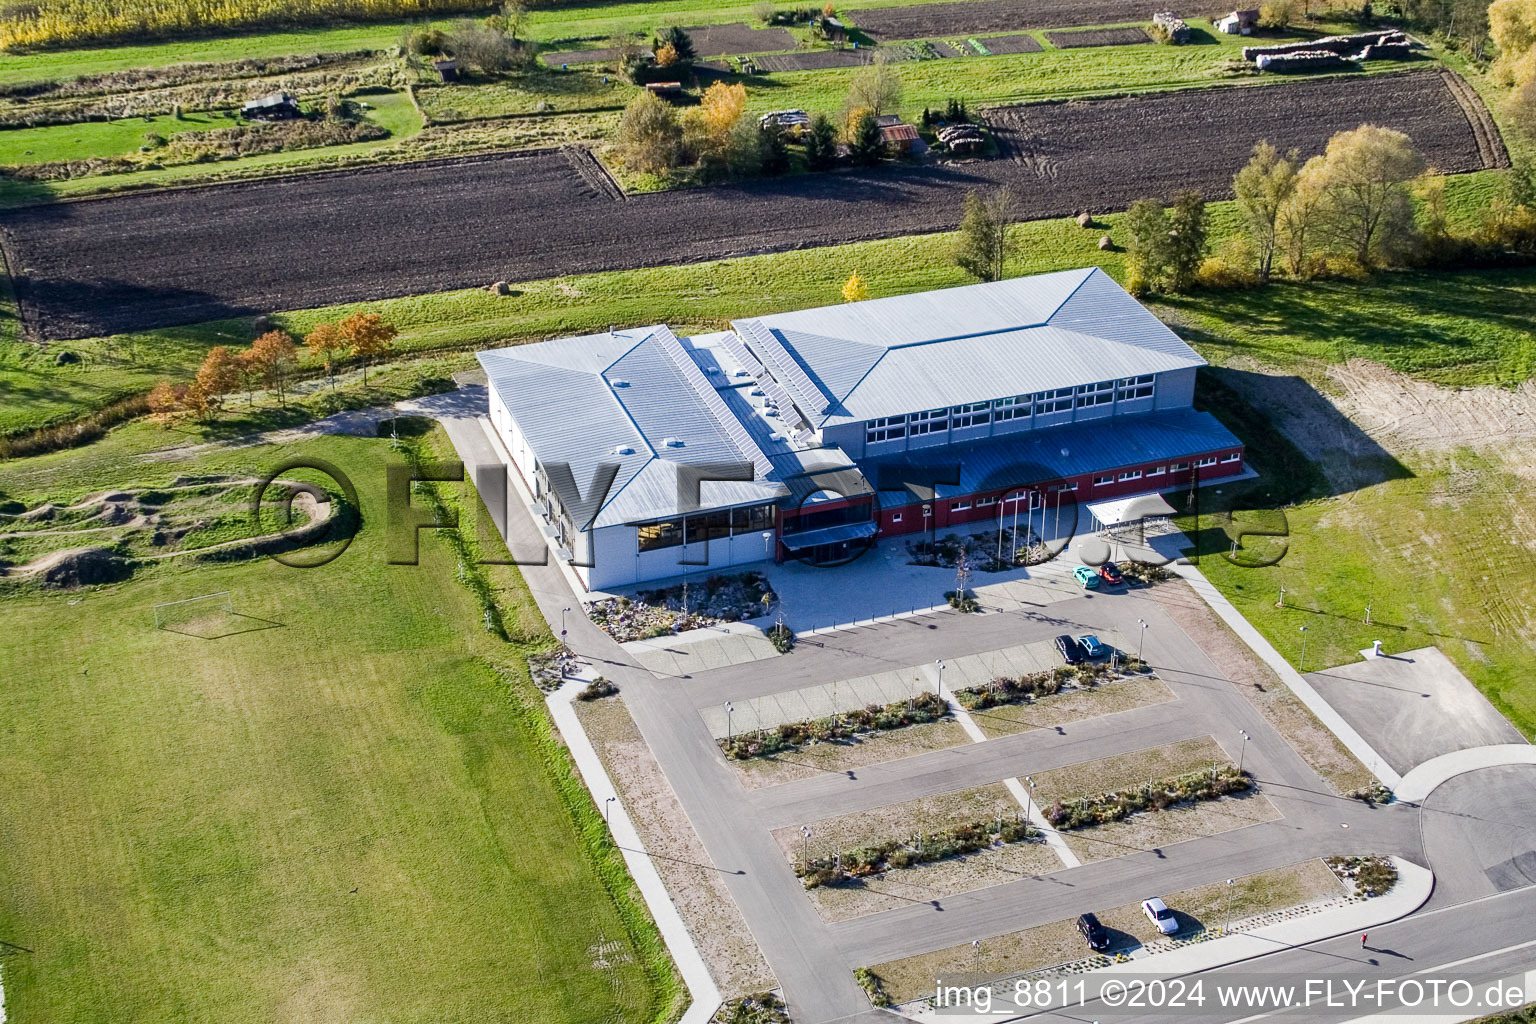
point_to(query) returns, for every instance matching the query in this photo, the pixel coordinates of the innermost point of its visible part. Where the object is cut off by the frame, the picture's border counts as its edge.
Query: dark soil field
(1099, 37)
(814, 60)
(1021, 43)
(720, 40)
(600, 55)
(175, 257)
(947, 19)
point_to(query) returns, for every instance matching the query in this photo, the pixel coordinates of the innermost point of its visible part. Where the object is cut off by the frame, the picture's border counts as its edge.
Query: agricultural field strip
(183, 256)
(947, 19)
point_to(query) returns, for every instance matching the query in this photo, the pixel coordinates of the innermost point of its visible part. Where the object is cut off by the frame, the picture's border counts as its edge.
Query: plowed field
(947, 19)
(184, 256)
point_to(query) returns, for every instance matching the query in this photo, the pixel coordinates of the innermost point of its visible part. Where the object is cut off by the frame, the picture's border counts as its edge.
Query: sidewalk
(1422, 779)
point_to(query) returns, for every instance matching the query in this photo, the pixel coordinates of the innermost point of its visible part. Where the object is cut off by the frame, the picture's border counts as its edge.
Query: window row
(670, 533)
(1002, 410)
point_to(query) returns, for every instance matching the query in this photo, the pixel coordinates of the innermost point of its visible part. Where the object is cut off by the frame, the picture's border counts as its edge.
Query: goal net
(208, 615)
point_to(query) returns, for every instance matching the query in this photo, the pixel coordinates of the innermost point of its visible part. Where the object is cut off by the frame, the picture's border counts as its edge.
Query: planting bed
(947, 19)
(184, 256)
(719, 40)
(602, 54)
(815, 60)
(1128, 36)
(1021, 43)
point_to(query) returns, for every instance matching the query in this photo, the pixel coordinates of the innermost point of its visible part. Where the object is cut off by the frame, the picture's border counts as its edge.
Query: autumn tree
(1276, 14)
(986, 236)
(667, 56)
(1363, 184)
(1147, 255)
(650, 137)
(324, 343)
(680, 41)
(877, 87)
(275, 355)
(167, 402)
(369, 336)
(1512, 25)
(218, 376)
(722, 106)
(1262, 188)
(854, 289)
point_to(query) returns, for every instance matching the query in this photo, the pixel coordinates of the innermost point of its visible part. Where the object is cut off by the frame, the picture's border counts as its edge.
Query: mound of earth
(81, 567)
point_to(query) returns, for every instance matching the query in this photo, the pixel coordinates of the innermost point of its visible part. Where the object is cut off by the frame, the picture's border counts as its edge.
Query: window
(1235, 456)
(752, 520)
(1135, 387)
(1130, 474)
(1103, 481)
(1065, 487)
(1157, 471)
(959, 506)
(1053, 401)
(976, 414)
(1209, 460)
(1015, 408)
(895, 517)
(654, 536)
(1089, 395)
(934, 421)
(1179, 467)
(983, 502)
(891, 428)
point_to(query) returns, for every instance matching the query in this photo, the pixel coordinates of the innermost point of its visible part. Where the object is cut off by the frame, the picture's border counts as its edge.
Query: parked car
(1070, 650)
(1109, 572)
(1095, 934)
(1086, 576)
(1158, 913)
(1091, 646)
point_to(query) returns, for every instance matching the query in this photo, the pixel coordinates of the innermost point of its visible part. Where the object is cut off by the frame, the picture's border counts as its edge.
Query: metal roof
(888, 357)
(1051, 453)
(578, 400)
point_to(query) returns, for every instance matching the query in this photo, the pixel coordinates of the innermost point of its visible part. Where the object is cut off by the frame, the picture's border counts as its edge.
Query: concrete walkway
(1423, 779)
(1336, 724)
(704, 995)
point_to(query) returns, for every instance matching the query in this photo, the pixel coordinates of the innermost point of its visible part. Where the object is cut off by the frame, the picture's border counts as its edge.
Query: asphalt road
(190, 255)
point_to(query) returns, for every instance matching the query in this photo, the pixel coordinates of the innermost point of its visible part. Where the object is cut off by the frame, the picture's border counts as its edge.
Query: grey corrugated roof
(1037, 455)
(886, 357)
(578, 399)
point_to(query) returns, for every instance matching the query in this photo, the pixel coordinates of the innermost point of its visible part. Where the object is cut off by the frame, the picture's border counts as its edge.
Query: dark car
(1070, 650)
(1109, 572)
(1096, 935)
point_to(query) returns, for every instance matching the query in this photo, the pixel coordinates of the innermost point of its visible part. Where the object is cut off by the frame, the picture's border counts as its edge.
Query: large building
(811, 434)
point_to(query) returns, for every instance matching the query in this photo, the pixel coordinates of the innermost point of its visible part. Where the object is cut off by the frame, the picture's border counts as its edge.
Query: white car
(1158, 913)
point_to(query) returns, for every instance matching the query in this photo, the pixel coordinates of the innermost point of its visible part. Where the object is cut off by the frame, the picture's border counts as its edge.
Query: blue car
(1092, 646)
(1086, 576)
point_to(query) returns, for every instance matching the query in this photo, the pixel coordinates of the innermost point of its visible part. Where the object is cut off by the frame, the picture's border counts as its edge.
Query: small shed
(447, 69)
(899, 138)
(276, 106)
(834, 31)
(666, 90)
(1239, 23)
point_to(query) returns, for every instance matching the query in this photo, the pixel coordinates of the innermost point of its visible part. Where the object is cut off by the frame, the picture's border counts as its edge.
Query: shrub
(598, 688)
(894, 854)
(869, 981)
(782, 638)
(650, 136)
(427, 42)
(1189, 788)
(1370, 875)
(962, 602)
(864, 146)
(821, 144)
(1276, 14)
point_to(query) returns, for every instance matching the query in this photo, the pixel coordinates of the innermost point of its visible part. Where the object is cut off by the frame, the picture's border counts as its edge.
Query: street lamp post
(805, 847)
(1140, 636)
(607, 804)
(1028, 801)
(729, 708)
(1244, 752)
(1303, 663)
(1228, 926)
(562, 626)
(940, 664)
(976, 945)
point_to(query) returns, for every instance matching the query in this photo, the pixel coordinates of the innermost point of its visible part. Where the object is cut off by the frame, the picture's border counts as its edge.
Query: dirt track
(176, 257)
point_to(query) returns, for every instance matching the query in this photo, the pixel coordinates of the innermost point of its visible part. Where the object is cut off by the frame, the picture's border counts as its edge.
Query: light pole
(1228, 926)
(607, 804)
(976, 945)
(1000, 530)
(1028, 801)
(562, 626)
(729, 708)
(1303, 662)
(1141, 635)
(805, 847)
(1244, 752)
(940, 664)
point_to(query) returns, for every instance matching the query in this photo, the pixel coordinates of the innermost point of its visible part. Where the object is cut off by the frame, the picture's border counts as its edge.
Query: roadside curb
(704, 996)
(1422, 779)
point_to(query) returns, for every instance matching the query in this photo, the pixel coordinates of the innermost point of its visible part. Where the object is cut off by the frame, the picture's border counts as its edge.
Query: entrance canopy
(829, 535)
(1123, 511)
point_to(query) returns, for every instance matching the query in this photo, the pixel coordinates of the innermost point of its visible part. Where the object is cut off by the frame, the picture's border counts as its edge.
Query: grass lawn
(345, 816)
(95, 138)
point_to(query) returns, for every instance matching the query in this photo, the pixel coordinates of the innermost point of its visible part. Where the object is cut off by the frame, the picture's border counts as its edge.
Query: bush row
(1026, 689)
(1160, 795)
(925, 707)
(898, 853)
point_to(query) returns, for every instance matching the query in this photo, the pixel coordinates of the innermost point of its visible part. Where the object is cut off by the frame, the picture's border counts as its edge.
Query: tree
(1297, 226)
(369, 336)
(1187, 239)
(324, 342)
(864, 146)
(514, 17)
(1276, 14)
(650, 136)
(667, 56)
(1364, 182)
(854, 289)
(250, 374)
(480, 46)
(773, 150)
(985, 240)
(1147, 254)
(1521, 108)
(877, 87)
(167, 402)
(274, 353)
(723, 106)
(218, 376)
(1512, 25)
(1262, 189)
(821, 143)
(679, 41)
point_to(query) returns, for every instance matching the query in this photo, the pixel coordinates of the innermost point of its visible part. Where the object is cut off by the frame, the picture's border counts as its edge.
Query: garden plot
(947, 19)
(815, 60)
(1107, 698)
(1021, 43)
(183, 256)
(598, 55)
(735, 38)
(1128, 36)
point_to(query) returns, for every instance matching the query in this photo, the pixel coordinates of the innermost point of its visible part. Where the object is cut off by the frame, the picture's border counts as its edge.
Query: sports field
(338, 812)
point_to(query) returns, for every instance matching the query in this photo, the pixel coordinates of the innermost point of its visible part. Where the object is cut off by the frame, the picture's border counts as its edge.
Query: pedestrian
(1362, 940)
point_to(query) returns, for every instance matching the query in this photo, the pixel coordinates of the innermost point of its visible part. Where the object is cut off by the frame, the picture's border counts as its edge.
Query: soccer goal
(208, 615)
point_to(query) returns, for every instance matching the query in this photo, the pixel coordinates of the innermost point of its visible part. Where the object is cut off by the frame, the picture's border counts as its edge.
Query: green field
(90, 139)
(340, 813)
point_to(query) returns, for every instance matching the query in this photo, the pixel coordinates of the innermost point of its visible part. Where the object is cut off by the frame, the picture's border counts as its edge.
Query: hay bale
(1085, 219)
(1106, 243)
(500, 288)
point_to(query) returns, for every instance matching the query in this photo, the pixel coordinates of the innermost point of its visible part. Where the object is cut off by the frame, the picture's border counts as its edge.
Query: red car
(1109, 572)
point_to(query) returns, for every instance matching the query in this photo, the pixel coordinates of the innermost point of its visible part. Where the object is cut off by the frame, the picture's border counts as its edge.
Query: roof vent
(619, 383)
(672, 442)
(623, 449)
(775, 436)
(740, 373)
(756, 392)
